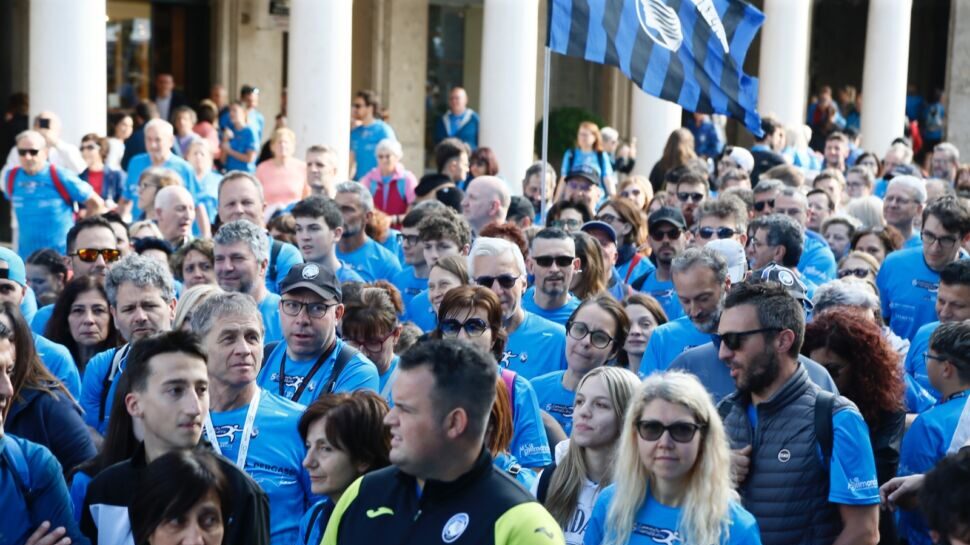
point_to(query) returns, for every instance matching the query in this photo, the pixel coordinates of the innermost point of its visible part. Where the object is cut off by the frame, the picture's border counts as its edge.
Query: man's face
(792, 207)
(608, 247)
(237, 268)
(175, 401)
(672, 243)
(235, 349)
(552, 278)
(690, 196)
(581, 190)
(900, 206)
(943, 167)
(701, 296)
(164, 84)
(953, 302)
(836, 152)
(239, 200)
(315, 239)
(759, 252)
(321, 173)
(533, 190)
(237, 115)
(305, 334)
(856, 185)
(818, 211)
(891, 161)
(251, 100)
(354, 216)
(457, 101)
(141, 311)
(413, 249)
(478, 205)
(832, 186)
(176, 217)
(711, 224)
(10, 291)
(764, 203)
(416, 430)
(754, 364)
(32, 152)
(777, 140)
(940, 247)
(457, 167)
(99, 238)
(433, 250)
(158, 144)
(498, 267)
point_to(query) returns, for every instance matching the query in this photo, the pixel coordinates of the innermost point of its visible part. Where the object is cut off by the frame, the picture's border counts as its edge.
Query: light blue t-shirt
(359, 373)
(924, 445)
(408, 284)
(393, 243)
(58, 360)
(643, 266)
(253, 116)
(92, 390)
(371, 261)
(557, 315)
(143, 161)
(852, 469)
(657, 523)
(665, 294)
(916, 362)
(269, 309)
(388, 378)
(274, 460)
(535, 348)
(243, 140)
(420, 312)
(914, 241)
(555, 399)
(38, 324)
(817, 264)
(907, 288)
(363, 142)
(669, 341)
(209, 193)
(530, 445)
(43, 217)
(287, 257)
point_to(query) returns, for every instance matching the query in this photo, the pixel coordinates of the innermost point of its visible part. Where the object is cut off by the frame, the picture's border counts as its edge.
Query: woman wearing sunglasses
(631, 233)
(370, 324)
(637, 190)
(858, 265)
(595, 334)
(673, 473)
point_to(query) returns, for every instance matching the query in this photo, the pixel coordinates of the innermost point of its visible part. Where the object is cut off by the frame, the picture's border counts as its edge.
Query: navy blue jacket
(53, 421)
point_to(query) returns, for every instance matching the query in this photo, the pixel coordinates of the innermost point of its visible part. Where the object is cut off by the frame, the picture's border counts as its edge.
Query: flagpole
(546, 69)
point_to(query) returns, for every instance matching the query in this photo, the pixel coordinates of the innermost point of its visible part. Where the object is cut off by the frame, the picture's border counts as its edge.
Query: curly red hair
(875, 373)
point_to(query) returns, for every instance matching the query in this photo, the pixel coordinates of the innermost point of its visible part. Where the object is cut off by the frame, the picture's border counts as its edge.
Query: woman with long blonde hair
(673, 473)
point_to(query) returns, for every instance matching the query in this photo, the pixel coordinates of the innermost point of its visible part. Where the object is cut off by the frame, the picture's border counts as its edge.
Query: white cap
(733, 253)
(742, 157)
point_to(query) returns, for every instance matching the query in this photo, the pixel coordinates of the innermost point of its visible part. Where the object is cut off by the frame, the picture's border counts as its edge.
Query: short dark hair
(826, 194)
(551, 233)
(950, 211)
(556, 209)
(448, 149)
(775, 307)
(946, 506)
(317, 206)
(115, 218)
(951, 340)
(956, 273)
(142, 351)
(90, 222)
(769, 125)
(464, 376)
(420, 211)
(355, 425)
(446, 224)
(837, 135)
(782, 231)
(151, 243)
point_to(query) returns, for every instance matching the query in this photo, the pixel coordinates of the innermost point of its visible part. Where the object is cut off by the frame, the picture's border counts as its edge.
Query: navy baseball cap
(600, 226)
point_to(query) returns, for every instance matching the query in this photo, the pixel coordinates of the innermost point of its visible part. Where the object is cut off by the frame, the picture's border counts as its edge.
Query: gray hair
(364, 197)
(916, 186)
(782, 230)
(322, 149)
(838, 293)
(536, 170)
(704, 256)
(951, 151)
(494, 247)
(236, 174)
(794, 193)
(765, 186)
(220, 305)
(142, 272)
(162, 126)
(244, 231)
(391, 145)
(868, 210)
(904, 152)
(609, 133)
(28, 134)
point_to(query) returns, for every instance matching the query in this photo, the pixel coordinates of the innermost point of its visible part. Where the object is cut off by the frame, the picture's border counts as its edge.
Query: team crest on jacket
(454, 528)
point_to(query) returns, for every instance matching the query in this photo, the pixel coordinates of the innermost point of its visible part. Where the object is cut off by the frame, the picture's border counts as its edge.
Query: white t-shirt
(584, 506)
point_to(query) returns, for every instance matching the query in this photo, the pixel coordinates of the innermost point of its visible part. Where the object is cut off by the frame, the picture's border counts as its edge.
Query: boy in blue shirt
(240, 144)
(441, 234)
(413, 279)
(319, 226)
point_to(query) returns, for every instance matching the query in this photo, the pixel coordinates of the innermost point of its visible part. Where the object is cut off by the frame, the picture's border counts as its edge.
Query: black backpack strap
(274, 253)
(120, 354)
(824, 403)
(544, 479)
(346, 354)
(639, 281)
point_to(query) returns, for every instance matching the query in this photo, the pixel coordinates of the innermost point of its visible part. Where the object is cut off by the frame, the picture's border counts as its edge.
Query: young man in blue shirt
(413, 279)
(441, 234)
(366, 108)
(356, 249)
(553, 262)
(319, 226)
(817, 262)
(668, 239)
(241, 259)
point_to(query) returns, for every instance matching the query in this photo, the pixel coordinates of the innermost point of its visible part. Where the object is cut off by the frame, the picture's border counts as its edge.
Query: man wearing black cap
(521, 212)
(583, 184)
(311, 360)
(668, 239)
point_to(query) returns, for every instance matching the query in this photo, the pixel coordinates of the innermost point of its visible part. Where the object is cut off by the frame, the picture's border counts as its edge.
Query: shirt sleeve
(69, 437)
(78, 189)
(92, 387)
(360, 374)
(529, 439)
(852, 469)
(920, 450)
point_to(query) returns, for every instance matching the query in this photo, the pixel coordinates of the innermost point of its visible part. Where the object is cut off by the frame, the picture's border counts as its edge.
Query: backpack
(544, 479)
(508, 377)
(400, 183)
(58, 185)
(13, 457)
(599, 159)
(346, 354)
(274, 254)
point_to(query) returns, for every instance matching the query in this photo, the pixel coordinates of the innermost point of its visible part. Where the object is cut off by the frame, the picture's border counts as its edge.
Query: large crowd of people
(207, 339)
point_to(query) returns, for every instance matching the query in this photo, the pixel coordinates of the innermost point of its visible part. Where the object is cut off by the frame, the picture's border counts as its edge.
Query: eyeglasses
(561, 261)
(579, 185)
(858, 273)
(893, 199)
(579, 331)
(371, 345)
(409, 240)
(609, 218)
(658, 235)
(927, 357)
(27, 151)
(566, 224)
(722, 232)
(474, 327)
(89, 147)
(733, 340)
(681, 432)
(930, 239)
(90, 255)
(760, 205)
(696, 197)
(292, 307)
(505, 280)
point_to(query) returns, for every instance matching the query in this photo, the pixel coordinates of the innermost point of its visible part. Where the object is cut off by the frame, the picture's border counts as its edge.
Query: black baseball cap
(316, 278)
(667, 214)
(520, 207)
(774, 272)
(584, 172)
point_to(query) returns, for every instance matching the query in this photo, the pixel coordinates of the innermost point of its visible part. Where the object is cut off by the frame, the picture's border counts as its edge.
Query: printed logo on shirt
(658, 535)
(508, 355)
(454, 528)
(558, 408)
(292, 381)
(577, 524)
(229, 432)
(531, 449)
(931, 287)
(856, 485)
(662, 294)
(784, 455)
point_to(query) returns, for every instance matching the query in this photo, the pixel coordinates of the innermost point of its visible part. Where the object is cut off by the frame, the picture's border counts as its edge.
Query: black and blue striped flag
(686, 51)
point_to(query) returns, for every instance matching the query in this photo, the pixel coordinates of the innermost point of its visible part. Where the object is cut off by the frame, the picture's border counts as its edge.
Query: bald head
(486, 200)
(175, 211)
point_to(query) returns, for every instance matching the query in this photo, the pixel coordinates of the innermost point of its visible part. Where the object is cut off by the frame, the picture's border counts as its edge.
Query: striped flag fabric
(686, 51)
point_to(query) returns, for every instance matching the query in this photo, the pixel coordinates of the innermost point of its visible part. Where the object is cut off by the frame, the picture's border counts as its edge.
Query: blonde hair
(190, 300)
(567, 480)
(705, 515)
(145, 224)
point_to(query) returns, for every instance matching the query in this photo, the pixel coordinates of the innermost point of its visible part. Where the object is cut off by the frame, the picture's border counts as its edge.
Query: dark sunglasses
(410, 240)
(579, 330)
(733, 340)
(722, 232)
(474, 327)
(22, 151)
(858, 273)
(90, 255)
(504, 280)
(696, 197)
(681, 432)
(658, 235)
(561, 261)
(760, 205)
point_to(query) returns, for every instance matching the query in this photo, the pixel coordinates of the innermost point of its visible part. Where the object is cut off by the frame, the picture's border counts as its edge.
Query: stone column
(958, 77)
(783, 70)
(508, 85)
(68, 65)
(318, 99)
(885, 72)
(651, 122)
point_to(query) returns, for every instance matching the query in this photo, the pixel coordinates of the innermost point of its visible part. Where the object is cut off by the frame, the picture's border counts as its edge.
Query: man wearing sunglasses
(764, 196)
(691, 190)
(817, 262)
(772, 424)
(668, 240)
(725, 217)
(553, 263)
(311, 360)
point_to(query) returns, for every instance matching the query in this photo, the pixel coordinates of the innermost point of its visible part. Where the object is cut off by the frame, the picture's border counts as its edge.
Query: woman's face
(837, 366)
(477, 169)
(283, 147)
(202, 524)
(197, 269)
(663, 457)
(609, 215)
(42, 281)
(124, 128)
(483, 341)
(387, 161)
(594, 416)
(183, 124)
(378, 346)
(635, 195)
(146, 198)
(872, 245)
(642, 324)
(581, 354)
(439, 282)
(586, 139)
(331, 469)
(837, 235)
(89, 319)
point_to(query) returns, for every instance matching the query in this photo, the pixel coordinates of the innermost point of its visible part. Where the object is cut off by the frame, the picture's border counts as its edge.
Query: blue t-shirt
(92, 390)
(408, 284)
(880, 187)
(914, 241)
(38, 324)
(657, 523)
(208, 195)
(346, 274)
(243, 140)
(58, 360)
(287, 257)
(924, 445)
(557, 315)
(393, 244)
(530, 445)
(643, 266)
(420, 312)
(363, 142)
(371, 261)
(386, 380)
(817, 264)
(314, 522)
(852, 469)
(274, 460)
(143, 161)
(535, 348)
(916, 362)
(665, 294)
(43, 217)
(269, 309)
(555, 399)
(907, 288)
(359, 373)
(253, 116)
(669, 341)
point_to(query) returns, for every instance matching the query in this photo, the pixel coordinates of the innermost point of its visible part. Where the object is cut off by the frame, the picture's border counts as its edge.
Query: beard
(711, 320)
(555, 290)
(759, 374)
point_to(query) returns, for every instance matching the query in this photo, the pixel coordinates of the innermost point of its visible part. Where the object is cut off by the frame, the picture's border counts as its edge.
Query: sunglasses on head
(722, 232)
(658, 234)
(681, 432)
(760, 205)
(90, 255)
(733, 340)
(696, 197)
(474, 327)
(561, 261)
(505, 280)
(858, 273)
